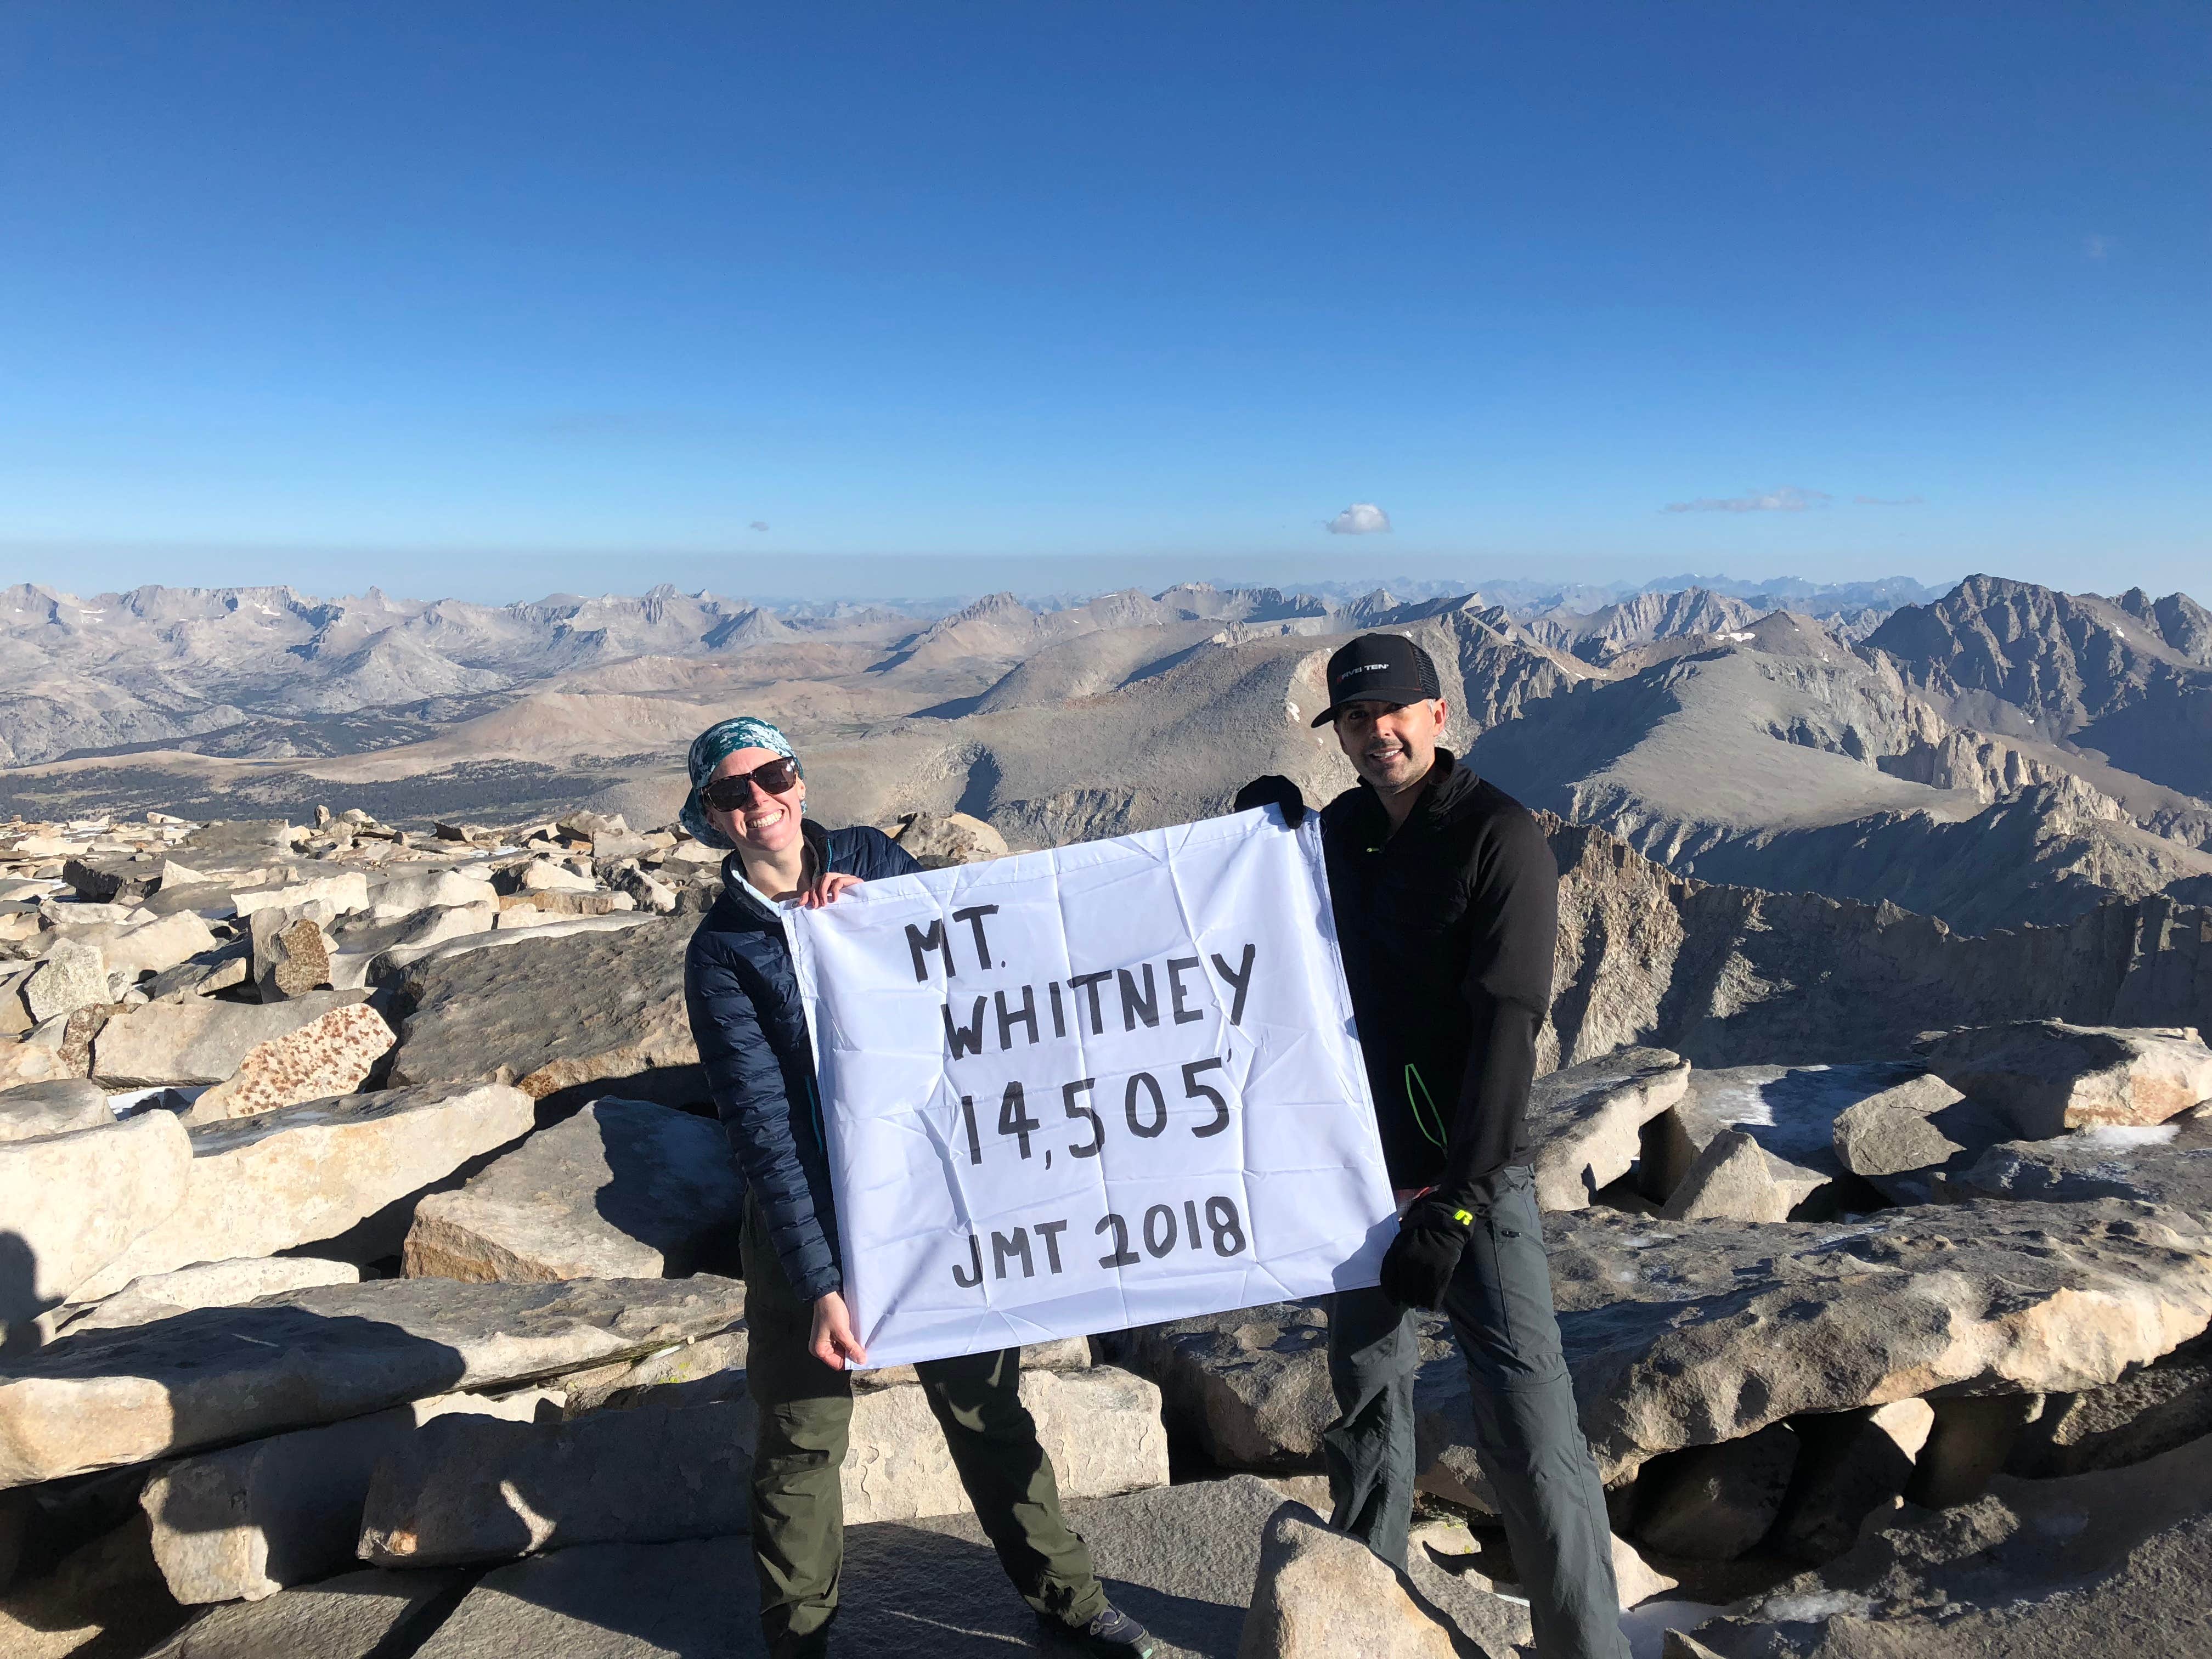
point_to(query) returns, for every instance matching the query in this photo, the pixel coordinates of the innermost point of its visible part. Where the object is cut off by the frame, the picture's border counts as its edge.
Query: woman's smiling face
(766, 823)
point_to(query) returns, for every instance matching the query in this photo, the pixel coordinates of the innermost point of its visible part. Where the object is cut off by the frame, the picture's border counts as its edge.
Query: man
(1446, 899)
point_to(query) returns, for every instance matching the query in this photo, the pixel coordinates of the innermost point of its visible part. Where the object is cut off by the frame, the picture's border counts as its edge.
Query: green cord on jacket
(1423, 1121)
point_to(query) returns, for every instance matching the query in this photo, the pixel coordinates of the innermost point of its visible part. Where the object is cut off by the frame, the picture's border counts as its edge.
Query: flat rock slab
(31, 1110)
(244, 1521)
(697, 1600)
(352, 1168)
(357, 1615)
(2110, 1561)
(391, 965)
(1903, 1140)
(1181, 1559)
(332, 1055)
(1100, 1427)
(346, 892)
(399, 895)
(199, 1039)
(625, 1190)
(234, 844)
(548, 1014)
(2170, 1162)
(472, 1488)
(1586, 1121)
(73, 1204)
(1790, 1110)
(2047, 1076)
(149, 947)
(206, 1285)
(1692, 1333)
(217, 1374)
(1251, 1389)
(364, 950)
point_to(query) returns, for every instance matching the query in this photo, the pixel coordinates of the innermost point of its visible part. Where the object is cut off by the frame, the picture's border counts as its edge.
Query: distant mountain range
(1997, 754)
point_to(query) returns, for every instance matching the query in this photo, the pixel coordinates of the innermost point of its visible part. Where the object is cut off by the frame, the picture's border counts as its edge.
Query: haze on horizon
(341, 296)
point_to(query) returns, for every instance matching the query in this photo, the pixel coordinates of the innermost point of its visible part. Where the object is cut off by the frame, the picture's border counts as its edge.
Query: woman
(749, 795)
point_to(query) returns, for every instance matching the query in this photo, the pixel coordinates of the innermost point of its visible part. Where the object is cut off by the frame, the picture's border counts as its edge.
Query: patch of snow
(1646, 1625)
(1813, 1607)
(165, 1097)
(2127, 1134)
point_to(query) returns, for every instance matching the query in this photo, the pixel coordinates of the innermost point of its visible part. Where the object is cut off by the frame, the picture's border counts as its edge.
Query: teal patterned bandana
(709, 750)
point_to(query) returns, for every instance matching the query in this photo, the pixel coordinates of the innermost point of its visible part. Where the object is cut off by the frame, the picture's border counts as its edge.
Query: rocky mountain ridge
(1778, 750)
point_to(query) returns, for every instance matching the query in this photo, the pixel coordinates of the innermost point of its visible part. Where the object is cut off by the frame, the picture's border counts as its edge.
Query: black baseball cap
(1379, 668)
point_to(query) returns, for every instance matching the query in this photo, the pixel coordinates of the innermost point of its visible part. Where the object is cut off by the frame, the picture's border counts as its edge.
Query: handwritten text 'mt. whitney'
(1141, 995)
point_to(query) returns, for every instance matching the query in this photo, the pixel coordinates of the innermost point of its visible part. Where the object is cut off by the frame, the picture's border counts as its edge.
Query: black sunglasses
(726, 795)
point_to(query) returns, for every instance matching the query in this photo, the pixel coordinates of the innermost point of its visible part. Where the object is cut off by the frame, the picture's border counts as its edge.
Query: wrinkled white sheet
(972, 1218)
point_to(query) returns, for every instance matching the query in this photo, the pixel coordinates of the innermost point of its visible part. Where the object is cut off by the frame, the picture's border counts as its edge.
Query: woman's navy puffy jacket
(742, 997)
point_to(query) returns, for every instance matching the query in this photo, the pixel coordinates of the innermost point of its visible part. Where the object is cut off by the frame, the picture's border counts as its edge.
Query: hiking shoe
(1112, 1635)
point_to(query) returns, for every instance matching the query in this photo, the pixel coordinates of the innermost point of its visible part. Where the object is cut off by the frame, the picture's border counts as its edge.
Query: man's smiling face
(1391, 745)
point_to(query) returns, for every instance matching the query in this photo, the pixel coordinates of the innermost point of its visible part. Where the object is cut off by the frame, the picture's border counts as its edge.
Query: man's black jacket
(1448, 929)
(742, 997)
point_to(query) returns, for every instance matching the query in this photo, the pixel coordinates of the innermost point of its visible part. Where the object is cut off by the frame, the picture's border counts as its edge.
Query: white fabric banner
(1100, 1087)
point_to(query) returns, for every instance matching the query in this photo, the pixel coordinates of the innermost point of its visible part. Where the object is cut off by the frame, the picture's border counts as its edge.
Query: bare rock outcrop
(75, 1203)
(355, 1615)
(2046, 1077)
(1586, 1121)
(1731, 976)
(332, 1055)
(217, 1375)
(32, 1110)
(346, 1169)
(2035, 1570)
(2170, 1164)
(1320, 1592)
(199, 1039)
(551, 1014)
(244, 1521)
(625, 1190)
(1690, 1333)
(227, 1284)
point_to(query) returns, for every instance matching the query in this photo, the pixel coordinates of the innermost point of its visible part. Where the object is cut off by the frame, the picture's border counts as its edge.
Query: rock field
(368, 1286)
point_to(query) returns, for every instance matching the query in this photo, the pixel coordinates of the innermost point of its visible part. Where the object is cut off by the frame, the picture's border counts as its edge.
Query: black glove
(1422, 1259)
(1274, 790)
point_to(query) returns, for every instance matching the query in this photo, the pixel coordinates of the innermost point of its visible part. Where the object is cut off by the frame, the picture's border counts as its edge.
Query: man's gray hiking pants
(1526, 1432)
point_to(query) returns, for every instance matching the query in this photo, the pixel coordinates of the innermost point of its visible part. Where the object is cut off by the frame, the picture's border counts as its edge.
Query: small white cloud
(2096, 247)
(757, 524)
(1360, 518)
(1787, 499)
(1888, 501)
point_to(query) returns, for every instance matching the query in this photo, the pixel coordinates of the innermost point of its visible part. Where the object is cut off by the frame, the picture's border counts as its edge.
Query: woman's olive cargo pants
(799, 1508)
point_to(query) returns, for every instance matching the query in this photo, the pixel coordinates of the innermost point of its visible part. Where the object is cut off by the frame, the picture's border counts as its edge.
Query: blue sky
(492, 300)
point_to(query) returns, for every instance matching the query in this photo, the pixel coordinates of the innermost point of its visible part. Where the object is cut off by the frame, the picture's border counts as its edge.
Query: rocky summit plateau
(368, 1277)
